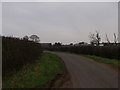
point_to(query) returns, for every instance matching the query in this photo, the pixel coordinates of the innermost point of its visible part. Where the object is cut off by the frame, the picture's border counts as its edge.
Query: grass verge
(37, 75)
(113, 62)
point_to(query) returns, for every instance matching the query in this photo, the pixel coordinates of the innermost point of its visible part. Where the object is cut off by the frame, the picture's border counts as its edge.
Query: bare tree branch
(95, 38)
(107, 39)
(115, 38)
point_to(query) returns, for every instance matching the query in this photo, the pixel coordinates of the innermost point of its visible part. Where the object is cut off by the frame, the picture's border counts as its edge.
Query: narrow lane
(86, 73)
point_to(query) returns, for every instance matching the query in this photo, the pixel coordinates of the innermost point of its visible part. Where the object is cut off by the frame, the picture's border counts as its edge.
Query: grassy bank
(113, 62)
(37, 75)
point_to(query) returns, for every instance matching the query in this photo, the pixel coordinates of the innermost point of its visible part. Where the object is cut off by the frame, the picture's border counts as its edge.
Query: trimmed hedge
(112, 52)
(17, 53)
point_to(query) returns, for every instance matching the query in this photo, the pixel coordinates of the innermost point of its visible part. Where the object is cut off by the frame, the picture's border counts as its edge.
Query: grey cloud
(65, 22)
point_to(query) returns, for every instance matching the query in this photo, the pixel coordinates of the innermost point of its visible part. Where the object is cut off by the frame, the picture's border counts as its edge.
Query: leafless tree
(92, 38)
(107, 39)
(95, 38)
(98, 38)
(115, 38)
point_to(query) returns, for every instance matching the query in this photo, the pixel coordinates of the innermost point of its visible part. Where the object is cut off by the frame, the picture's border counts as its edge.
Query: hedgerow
(17, 53)
(112, 52)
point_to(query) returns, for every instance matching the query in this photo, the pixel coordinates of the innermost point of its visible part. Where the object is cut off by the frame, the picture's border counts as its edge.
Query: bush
(17, 53)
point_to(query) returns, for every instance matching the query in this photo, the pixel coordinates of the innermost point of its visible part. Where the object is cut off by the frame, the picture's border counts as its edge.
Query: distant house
(45, 44)
(81, 44)
(111, 44)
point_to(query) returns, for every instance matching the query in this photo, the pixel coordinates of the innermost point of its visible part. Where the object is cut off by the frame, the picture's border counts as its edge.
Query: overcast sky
(68, 22)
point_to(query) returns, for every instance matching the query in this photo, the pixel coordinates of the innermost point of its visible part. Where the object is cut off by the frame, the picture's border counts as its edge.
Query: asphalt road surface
(86, 73)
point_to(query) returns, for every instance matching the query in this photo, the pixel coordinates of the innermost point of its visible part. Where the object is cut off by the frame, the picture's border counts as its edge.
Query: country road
(86, 73)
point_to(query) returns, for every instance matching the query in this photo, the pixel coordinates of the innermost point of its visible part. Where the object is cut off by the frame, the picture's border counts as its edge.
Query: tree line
(95, 38)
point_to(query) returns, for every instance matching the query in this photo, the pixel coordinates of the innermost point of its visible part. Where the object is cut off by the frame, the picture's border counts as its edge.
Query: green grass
(115, 63)
(37, 75)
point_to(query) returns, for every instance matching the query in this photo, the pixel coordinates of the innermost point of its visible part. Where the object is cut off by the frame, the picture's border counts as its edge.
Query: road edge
(62, 80)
